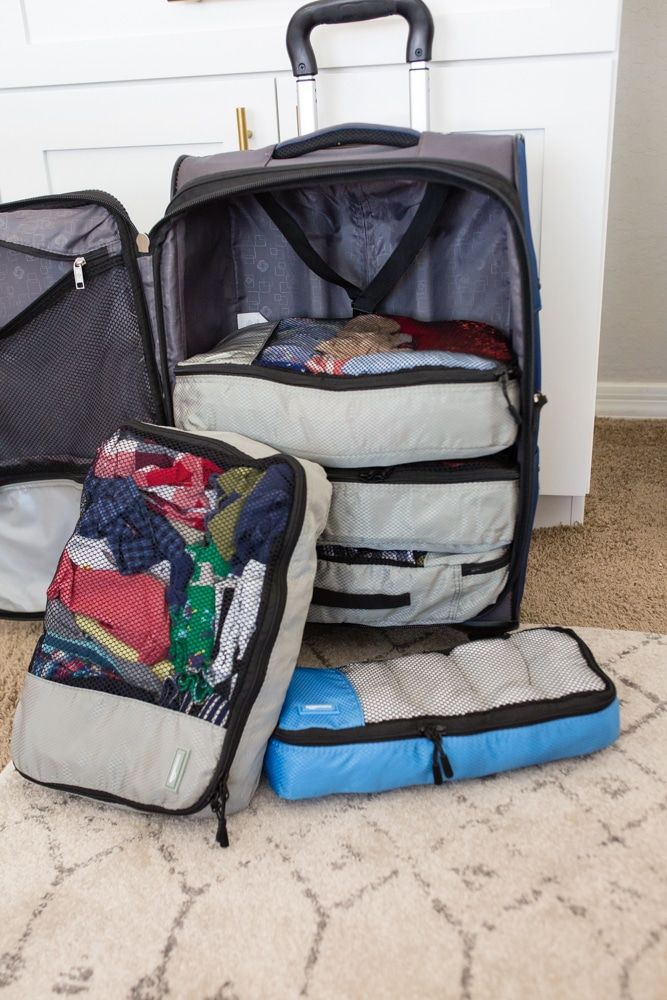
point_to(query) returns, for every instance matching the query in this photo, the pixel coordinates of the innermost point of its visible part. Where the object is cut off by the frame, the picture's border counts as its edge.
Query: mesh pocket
(158, 593)
(24, 278)
(474, 677)
(72, 374)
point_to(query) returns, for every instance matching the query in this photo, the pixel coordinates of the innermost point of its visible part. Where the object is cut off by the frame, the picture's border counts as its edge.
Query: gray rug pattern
(547, 882)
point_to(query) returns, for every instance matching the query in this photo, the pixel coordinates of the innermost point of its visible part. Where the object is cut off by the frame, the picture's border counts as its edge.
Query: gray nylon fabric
(145, 265)
(433, 517)
(439, 593)
(36, 519)
(24, 278)
(492, 151)
(400, 424)
(93, 740)
(68, 231)
(232, 259)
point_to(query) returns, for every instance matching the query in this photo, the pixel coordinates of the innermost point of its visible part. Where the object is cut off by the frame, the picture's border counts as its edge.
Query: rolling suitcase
(431, 450)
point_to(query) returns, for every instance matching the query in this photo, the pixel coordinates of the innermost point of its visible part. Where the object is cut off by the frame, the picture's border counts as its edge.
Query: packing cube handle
(415, 12)
(304, 63)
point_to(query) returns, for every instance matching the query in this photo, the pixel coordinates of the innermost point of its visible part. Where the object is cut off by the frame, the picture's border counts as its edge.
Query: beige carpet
(610, 572)
(549, 882)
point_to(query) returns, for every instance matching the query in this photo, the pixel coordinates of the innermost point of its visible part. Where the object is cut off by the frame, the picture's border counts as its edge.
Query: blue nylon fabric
(522, 188)
(328, 690)
(296, 772)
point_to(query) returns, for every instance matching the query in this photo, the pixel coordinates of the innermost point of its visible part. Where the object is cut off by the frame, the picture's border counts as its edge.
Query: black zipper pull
(219, 805)
(377, 475)
(441, 764)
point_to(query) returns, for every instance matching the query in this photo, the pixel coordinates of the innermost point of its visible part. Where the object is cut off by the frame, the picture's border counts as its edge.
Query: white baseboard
(632, 400)
(553, 510)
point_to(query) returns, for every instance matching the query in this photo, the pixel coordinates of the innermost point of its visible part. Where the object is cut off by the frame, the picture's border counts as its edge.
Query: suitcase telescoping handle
(304, 64)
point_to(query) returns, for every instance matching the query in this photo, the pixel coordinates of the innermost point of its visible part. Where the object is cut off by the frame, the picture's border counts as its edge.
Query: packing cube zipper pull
(441, 766)
(219, 806)
(77, 267)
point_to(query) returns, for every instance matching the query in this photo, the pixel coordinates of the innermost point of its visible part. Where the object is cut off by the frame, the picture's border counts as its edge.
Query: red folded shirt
(461, 336)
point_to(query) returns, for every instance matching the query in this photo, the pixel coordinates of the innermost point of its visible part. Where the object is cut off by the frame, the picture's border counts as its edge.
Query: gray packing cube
(407, 415)
(437, 506)
(405, 587)
(36, 519)
(483, 707)
(173, 623)
(425, 543)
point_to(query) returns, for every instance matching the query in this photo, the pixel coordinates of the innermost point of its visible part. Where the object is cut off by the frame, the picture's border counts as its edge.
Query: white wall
(633, 346)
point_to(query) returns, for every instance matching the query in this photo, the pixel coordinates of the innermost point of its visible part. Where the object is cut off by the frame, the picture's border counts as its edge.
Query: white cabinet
(105, 95)
(124, 137)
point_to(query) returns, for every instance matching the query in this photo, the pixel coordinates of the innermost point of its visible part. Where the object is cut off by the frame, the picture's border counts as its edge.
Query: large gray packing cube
(173, 622)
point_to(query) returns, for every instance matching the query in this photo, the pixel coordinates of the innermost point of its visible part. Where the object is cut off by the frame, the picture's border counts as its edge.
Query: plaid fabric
(137, 537)
(320, 365)
(376, 345)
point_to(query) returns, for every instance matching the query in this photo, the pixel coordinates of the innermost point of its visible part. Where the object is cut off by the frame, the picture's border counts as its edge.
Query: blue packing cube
(486, 706)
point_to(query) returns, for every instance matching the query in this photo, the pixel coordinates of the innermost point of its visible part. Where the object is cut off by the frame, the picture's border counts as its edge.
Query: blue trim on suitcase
(299, 772)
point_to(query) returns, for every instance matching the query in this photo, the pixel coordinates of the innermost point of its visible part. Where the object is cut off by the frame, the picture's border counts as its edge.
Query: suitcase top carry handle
(415, 12)
(346, 135)
(304, 64)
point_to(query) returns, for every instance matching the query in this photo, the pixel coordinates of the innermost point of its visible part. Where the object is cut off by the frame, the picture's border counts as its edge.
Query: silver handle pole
(420, 97)
(306, 104)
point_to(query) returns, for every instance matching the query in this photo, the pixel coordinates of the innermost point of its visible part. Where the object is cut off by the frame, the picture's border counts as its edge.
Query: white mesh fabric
(535, 665)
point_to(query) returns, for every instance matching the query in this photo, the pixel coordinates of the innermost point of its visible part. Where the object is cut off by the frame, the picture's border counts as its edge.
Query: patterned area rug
(546, 883)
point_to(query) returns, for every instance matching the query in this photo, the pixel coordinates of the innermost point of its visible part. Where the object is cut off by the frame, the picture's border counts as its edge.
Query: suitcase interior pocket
(428, 718)
(78, 345)
(405, 587)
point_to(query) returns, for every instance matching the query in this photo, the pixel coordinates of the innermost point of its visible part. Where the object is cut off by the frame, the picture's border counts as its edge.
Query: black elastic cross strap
(298, 240)
(414, 238)
(370, 602)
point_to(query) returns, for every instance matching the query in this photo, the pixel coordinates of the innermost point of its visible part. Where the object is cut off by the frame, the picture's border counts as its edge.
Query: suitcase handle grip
(415, 12)
(346, 135)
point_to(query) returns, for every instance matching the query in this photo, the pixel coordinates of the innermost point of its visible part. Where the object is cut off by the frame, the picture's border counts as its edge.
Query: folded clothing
(157, 593)
(372, 345)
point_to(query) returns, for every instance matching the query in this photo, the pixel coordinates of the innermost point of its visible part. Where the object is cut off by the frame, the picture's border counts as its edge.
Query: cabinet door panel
(69, 41)
(124, 138)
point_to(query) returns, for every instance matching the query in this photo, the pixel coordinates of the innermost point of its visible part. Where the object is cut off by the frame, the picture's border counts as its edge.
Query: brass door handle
(242, 128)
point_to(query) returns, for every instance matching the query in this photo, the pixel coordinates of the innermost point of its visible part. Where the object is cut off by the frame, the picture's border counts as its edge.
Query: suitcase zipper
(389, 380)
(408, 475)
(94, 264)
